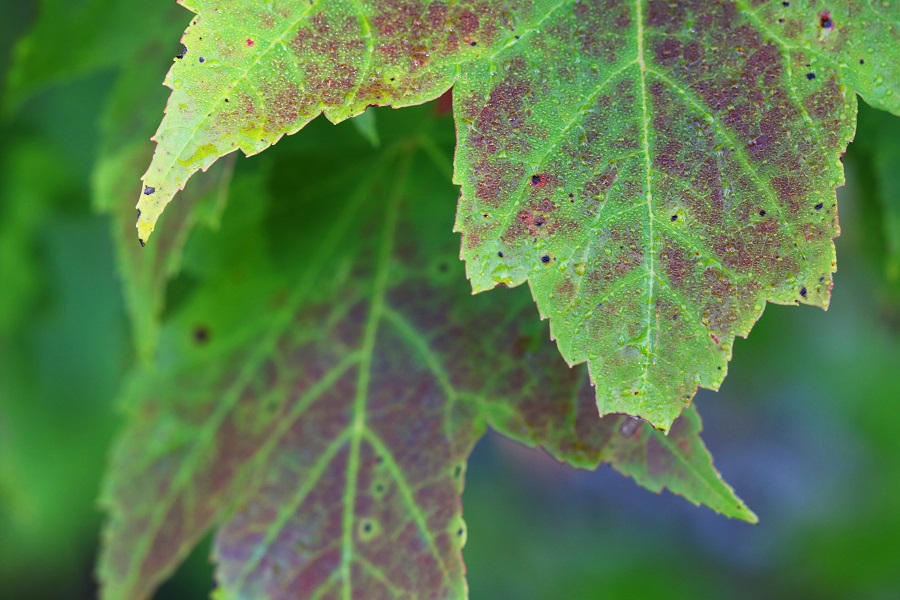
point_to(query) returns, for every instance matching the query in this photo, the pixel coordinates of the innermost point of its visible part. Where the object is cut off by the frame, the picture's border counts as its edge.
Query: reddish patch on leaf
(676, 263)
(444, 104)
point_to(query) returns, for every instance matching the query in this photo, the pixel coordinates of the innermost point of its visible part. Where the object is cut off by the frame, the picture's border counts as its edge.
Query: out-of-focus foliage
(877, 161)
(805, 428)
(327, 437)
(63, 343)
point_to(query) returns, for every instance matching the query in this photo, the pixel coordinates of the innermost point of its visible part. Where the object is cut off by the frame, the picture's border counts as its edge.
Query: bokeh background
(806, 427)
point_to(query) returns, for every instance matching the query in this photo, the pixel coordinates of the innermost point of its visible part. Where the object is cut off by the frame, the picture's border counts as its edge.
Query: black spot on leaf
(201, 334)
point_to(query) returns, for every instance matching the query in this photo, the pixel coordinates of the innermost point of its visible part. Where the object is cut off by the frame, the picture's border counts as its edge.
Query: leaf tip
(146, 214)
(749, 516)
(741, 511)
(144, 229)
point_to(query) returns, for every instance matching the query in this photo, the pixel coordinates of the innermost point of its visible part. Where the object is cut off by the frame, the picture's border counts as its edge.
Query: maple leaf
(656, 171)
(327, 437)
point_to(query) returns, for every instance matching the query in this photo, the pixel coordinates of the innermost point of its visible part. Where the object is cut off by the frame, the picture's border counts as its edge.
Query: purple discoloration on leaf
(711, 111)
(695, 150)
(332, 458)
(306, 59)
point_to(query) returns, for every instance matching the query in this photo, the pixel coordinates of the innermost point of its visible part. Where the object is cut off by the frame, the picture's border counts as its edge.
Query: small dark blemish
(862, 61)
(201, 334)
(803, 292)
(781, 20)
(142, 242)
(536, 180)
(202, 59)
(227, 100)
(139, 213)
(762, 213)
(825, 21)
(149, 190)
(367, 527)
(460, 531)
(474, 44)
(545, 259)
(785, 3)
(810, 76)
(442, 267)
(674, 217)
(500, 254)
(819, 206)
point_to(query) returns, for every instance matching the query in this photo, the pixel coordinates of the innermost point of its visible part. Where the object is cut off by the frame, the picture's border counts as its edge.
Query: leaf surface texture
(327, 437)
(655, 171)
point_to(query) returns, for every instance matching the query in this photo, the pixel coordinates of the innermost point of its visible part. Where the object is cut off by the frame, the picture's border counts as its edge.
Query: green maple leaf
(655, 171)
(327, 436)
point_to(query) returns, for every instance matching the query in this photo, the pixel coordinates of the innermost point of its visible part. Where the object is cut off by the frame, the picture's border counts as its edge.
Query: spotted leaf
(656, 171)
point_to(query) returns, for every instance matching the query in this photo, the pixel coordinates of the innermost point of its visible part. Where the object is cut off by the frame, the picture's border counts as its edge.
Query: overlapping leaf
(327, 436)
(656, 171)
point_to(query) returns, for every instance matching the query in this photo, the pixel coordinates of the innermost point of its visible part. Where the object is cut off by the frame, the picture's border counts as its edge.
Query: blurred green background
(805, 427)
